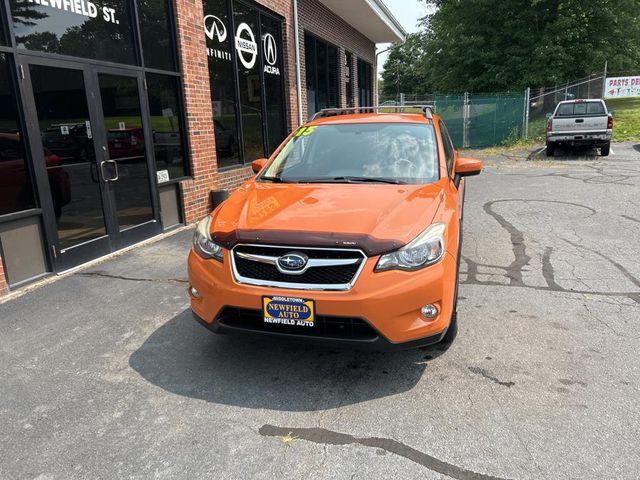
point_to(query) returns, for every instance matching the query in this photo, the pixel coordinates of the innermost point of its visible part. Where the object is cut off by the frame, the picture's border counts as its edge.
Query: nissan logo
(215, 29)
(270, 49)
(293, 261)
(246, 46)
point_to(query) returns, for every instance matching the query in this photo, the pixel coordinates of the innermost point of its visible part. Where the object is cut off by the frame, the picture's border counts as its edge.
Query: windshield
(352, 153)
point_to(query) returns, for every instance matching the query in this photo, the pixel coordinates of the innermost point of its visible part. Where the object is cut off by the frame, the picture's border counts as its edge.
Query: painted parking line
(611, 152)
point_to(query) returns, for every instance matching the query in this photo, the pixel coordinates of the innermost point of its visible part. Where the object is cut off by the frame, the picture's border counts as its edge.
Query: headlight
(427, 249)
(202, 242)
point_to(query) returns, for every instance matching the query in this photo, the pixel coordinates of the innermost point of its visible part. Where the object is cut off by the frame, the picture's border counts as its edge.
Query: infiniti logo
(270, 49)
(215, 29)
(293, 261)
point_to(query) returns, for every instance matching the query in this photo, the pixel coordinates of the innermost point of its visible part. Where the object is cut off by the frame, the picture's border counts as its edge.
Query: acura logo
(293, 261)
(214, 28)
(270, 49)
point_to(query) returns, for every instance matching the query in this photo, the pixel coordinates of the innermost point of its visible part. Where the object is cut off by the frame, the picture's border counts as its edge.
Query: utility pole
(604, 79)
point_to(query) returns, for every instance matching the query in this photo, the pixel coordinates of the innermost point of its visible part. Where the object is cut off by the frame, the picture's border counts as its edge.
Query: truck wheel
(551, 149)
(604, 151)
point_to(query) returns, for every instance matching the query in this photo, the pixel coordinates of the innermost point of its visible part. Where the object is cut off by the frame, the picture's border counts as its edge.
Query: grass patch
(626, 118)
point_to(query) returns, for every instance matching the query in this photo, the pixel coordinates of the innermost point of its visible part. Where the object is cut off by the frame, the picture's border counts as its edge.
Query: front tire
(604, 151)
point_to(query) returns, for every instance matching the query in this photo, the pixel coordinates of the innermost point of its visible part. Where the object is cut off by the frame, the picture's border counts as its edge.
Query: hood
(376, 218)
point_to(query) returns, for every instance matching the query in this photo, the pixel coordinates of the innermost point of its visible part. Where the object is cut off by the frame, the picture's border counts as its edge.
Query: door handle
(580, 120)
(115, 171)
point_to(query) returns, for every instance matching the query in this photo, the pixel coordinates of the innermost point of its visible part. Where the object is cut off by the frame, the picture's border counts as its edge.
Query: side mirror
(466, 167)
(549, 115)
(258, 165)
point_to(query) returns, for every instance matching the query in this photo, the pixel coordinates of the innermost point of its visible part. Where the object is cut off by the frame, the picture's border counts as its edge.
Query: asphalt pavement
(105, 374)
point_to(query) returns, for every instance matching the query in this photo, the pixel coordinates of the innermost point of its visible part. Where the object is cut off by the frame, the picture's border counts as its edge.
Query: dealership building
(119, 118)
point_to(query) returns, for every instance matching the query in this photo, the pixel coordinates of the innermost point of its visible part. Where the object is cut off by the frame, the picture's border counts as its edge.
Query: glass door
(94, 146)
(125, 167)
(74, 206)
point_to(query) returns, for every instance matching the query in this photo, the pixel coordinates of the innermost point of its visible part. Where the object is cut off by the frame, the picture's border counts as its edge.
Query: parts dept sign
(245, 43)
(81, 7)
(618, 87)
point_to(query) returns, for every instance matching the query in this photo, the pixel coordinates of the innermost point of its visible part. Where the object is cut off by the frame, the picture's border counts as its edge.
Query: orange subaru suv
(350, 233)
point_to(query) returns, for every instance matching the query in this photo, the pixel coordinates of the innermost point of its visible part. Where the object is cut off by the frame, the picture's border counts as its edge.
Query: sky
(408, 12)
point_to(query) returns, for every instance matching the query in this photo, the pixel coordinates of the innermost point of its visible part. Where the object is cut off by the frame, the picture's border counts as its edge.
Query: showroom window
(166, 124)
(16, 191)
(155, 31)
(246, 74)
(365, 83)
(3, 21)
(99, 29)
(348, 83)
(321, 61)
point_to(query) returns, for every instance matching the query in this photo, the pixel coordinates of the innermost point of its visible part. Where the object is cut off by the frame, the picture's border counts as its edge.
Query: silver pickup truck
(585, 123)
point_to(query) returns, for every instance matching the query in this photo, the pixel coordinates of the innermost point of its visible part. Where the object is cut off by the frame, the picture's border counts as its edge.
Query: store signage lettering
(270, 49)
(80, 7)
(246, 46)
(623, 87)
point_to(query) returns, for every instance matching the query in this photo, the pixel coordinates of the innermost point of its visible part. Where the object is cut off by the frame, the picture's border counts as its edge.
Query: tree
(497, 45)
(405, 67)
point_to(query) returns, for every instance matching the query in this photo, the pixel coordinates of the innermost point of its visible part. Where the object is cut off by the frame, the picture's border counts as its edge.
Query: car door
(454, 189)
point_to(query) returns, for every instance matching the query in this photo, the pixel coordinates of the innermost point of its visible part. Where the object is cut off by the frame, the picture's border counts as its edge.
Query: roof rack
(332, 112)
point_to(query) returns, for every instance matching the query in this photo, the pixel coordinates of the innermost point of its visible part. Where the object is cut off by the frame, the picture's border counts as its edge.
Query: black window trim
(446, 138)
(317, 38)
(261, 10)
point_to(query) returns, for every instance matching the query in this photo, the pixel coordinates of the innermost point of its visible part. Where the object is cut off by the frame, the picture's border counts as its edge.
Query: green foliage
(626, 119)
(405, 70)
(498, 45)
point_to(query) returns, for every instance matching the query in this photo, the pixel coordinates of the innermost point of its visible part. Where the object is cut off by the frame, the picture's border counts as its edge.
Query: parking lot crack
(327, 437)
(100, 274)
(616, 264)
(547, 269)
(518, 246)
(488, 376)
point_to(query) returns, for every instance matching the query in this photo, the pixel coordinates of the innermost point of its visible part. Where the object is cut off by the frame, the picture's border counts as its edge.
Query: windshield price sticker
(305, 131)
(296, 312)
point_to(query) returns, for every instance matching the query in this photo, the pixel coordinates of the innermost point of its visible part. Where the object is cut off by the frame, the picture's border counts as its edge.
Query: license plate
(295, 312)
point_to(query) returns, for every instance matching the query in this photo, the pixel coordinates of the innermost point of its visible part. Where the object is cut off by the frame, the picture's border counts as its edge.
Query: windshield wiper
(274, 179)
(351, 179)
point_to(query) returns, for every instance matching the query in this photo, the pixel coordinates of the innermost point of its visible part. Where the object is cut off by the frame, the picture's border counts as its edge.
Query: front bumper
(389, 302)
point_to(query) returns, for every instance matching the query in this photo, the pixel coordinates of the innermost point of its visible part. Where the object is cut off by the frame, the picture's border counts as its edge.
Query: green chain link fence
(474, 120)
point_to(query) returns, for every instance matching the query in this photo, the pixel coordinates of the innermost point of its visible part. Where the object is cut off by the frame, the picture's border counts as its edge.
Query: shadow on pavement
(577, 153)
(184, 358)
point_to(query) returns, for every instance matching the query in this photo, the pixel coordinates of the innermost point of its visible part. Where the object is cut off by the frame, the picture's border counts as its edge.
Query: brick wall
(314, 18)
(321, 22)
(4, 288)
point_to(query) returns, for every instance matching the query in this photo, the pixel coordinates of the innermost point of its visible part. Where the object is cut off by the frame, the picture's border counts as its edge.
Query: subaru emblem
(293, 261)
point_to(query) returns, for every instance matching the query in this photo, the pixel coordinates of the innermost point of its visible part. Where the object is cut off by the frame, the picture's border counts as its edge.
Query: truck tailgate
(580, 124)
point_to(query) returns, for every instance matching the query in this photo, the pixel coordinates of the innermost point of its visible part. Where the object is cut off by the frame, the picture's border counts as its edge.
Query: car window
(595, 108)
(404, 152)
(449, 151)
(580, 108)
